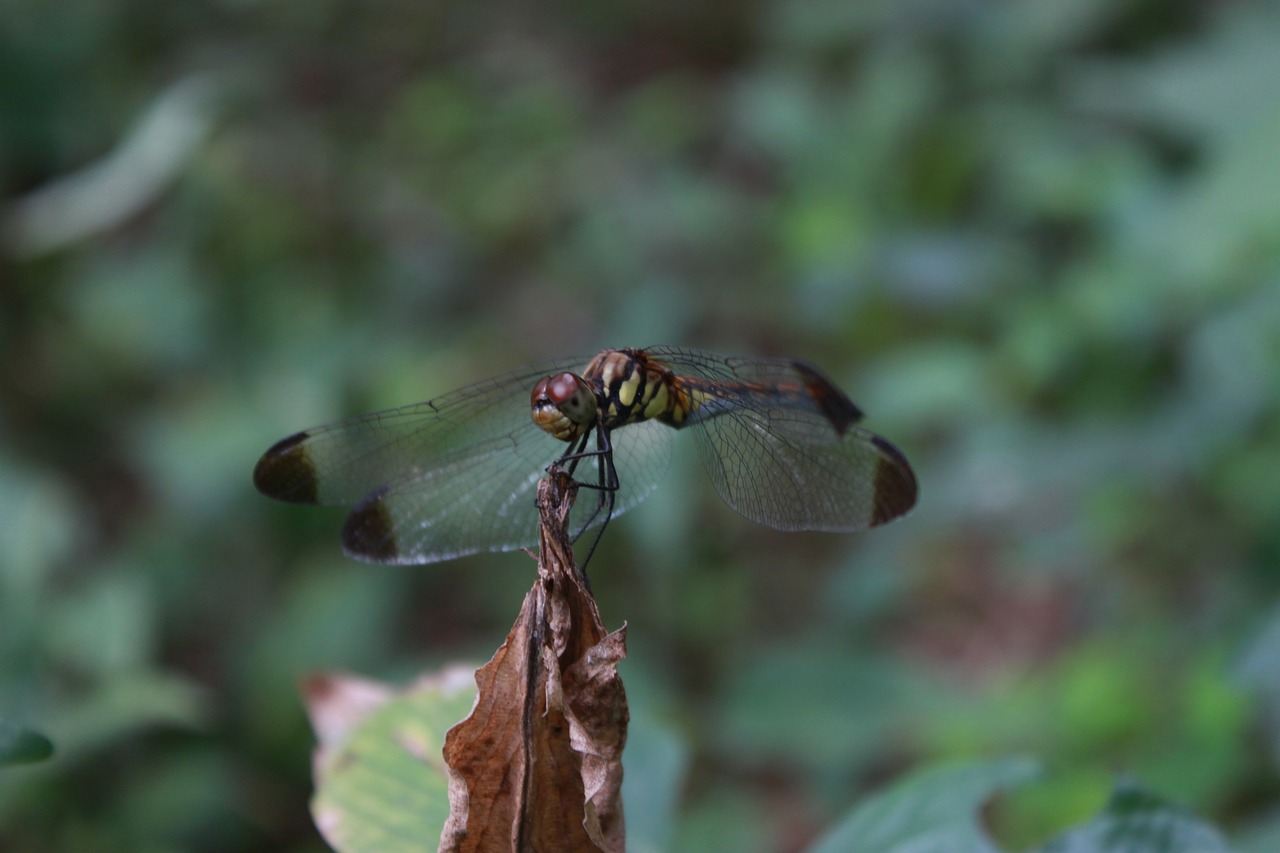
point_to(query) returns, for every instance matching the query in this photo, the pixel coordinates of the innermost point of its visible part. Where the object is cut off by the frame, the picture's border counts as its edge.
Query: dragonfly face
(564, 406)
(457, 474)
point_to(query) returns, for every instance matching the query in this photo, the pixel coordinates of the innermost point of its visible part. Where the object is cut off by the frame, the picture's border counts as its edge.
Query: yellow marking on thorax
(664, 397)
(658, 400)
(627, 390)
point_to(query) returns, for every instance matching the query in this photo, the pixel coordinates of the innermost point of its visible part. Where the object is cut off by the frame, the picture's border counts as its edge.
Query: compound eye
(571, 395)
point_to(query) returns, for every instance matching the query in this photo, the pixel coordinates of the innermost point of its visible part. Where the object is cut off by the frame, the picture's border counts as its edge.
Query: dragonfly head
(564, 405)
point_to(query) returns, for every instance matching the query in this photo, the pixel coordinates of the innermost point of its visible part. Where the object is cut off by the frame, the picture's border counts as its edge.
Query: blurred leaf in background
(22, 746)
(1038, 243)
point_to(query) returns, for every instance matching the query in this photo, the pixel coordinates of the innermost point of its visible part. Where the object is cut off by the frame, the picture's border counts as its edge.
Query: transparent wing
(451, 476)
(778, 441)
(483, 499)
(341, 463)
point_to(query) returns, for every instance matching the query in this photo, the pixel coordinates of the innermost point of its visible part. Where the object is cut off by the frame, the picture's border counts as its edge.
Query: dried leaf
(537, 766)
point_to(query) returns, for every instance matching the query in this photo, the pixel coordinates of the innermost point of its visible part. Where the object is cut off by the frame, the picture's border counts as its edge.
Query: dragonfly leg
(606, 473)
(606, 487)
(606, 481)
(573, 454)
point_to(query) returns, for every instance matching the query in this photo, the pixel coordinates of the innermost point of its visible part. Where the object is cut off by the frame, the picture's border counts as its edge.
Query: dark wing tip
(895, 483)
(834, 403)
(285, 472)
(368, 533)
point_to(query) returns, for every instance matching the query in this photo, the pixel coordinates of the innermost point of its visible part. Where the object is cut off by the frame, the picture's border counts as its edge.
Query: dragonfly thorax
(564, 405)
(632, 387)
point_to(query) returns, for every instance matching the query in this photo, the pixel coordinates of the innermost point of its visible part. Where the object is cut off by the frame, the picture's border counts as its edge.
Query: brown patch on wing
(838, 408)
(285, 471)
(368, 534)
(895, 483)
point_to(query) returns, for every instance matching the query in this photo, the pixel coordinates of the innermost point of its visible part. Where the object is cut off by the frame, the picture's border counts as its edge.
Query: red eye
(561, 389)
(539, 391)
(569, 394)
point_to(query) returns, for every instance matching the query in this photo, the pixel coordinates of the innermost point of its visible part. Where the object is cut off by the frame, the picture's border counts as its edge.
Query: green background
(1038, 242)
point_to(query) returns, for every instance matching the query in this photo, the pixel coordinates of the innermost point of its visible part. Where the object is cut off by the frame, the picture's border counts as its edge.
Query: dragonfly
(457, 474)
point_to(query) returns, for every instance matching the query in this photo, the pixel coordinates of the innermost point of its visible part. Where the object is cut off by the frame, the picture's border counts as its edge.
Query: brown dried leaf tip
(537, 766)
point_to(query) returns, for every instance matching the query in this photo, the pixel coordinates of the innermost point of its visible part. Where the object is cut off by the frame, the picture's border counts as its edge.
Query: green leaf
(790, 700)
(657, 763)
(22, 746)
(381, 782)
(1136, 821)
(934, 811)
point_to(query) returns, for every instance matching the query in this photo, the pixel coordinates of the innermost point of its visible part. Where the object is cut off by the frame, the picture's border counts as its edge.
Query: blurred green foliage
(380, 776)
(1038, 242)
